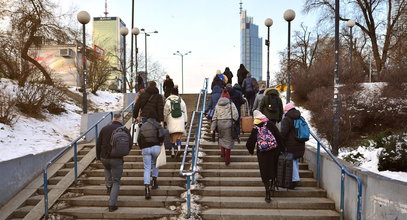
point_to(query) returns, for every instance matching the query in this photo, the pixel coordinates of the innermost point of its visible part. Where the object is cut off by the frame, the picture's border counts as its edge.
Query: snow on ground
(33, 136)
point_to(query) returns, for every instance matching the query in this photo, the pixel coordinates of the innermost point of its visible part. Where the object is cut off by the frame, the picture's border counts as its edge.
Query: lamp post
(146, 34)
(131, 47)
(268, 22)
(124, 31)
(289, 15)
(182, 66)
(336, 101)
(350, 23)
(84, 18)
(135, 31)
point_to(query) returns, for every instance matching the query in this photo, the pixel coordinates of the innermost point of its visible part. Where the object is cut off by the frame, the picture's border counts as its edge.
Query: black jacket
(251, 142)
(150, 108)
(168, 86)
(103, 147)
(241, 74)
(229, 74)
(288, 133)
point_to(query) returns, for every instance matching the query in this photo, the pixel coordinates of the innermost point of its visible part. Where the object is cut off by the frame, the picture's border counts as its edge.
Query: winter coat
(241, 74)
(247, 85)
(175, 125)
(289, 134)
(222, 121)
(257, 100)
(216, 93)
(103, 147)
(167, 87)
(229, 74)
(266, 109)
(236, 97)
(140, 82)
(151, 134)
(217, 81)
(150, 108)
(268, 160)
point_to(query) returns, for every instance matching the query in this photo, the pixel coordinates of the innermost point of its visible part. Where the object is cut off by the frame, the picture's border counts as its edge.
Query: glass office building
(251, 53)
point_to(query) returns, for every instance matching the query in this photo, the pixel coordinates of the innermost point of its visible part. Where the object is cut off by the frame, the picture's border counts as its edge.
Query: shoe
(113, 208)
(213, 137)
(172, 152)
(238, 140)
(108, 189)
(293, 185)
(147, 191)
(227, 163)
(268, 193)
(154, 184)
(222, 155)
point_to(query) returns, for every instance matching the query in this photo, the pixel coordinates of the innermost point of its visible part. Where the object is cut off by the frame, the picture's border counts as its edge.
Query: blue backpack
(265, 139)
(301, 130)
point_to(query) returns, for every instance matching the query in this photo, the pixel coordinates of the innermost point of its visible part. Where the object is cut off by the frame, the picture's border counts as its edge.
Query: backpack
(255, 85)
(176, 111)
(120, 142)
(301, 130)
(151, 132)
(265, 139)
(273, 104)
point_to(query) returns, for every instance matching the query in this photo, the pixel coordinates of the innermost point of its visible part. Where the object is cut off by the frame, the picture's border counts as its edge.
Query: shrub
(394, 155)
(31, 98)
(54, 102)
(8, 115)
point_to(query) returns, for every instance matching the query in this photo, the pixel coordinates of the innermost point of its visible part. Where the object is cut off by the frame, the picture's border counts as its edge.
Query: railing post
(318, 165)
(96, 134)
(45, 192)
(193, 162)
(359, 214)
(341, 211)
(189, 196)
(75, 161)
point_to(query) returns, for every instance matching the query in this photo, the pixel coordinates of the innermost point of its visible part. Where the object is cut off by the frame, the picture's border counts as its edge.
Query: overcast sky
(208, 28)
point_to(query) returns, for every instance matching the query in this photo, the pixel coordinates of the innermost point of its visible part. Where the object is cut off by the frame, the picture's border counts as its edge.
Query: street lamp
(84, 18)
(268, 22)
(146, 34)
(182, 66)
(336, 101)
(289, 15)
(131, 48)
(350, 23)
(124, 31)
(135, 31)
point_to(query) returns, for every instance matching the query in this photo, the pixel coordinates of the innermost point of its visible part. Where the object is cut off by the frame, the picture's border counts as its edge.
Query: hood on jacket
(152, 90)
(270, 91)
(216, 89)
(237, 87)
(223, 101)
(172, 97)
(293, 113)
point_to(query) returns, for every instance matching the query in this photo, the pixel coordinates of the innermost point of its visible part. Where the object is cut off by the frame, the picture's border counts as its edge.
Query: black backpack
(273, 104)
(120, 142)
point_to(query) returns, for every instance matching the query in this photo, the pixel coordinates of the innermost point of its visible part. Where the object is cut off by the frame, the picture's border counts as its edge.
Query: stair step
(238, 165)
(242, 181)
(22, 211)
(121, 213)
(266, 214)
(259, 191)
(276, 203)
(124, 201)
(243, 173)
(133, 165)
(33, 200)
(129, 190)
(134, 173)
(162, 181)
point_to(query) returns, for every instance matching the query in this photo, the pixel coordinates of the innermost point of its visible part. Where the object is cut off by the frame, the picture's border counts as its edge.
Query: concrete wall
(128, 98)
(17, 173)
(382, 197)
(88, 120)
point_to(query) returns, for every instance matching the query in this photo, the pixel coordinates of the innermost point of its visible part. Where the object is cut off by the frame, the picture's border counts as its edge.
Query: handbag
(233, 127)
(135, 130)
(162, 157)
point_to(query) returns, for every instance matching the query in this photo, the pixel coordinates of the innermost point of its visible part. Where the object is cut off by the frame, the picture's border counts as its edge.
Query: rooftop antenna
(105, 9)
(241, 6)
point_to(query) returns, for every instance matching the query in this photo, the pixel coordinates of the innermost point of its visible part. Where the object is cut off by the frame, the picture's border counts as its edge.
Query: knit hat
(218, 72)
(259, 117)
(225, 94)
(288, 107)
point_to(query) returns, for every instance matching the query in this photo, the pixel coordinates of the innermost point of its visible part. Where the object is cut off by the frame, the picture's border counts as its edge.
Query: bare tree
(369, 18)
(305, 48)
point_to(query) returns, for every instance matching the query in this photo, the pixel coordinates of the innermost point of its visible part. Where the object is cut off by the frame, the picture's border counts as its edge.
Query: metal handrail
(344, 171)
(74, 144)
(195, 149)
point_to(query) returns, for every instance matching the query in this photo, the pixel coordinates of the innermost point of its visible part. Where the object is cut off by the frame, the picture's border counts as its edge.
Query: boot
(268, 194)
(147, 191)
(154, 184)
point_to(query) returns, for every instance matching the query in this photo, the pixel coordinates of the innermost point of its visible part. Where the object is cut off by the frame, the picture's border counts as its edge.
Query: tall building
(106, 35)
(251, 54)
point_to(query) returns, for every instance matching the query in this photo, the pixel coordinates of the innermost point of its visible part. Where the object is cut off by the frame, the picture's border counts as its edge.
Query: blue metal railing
(74, 144)
(199, 112)
(344, 171)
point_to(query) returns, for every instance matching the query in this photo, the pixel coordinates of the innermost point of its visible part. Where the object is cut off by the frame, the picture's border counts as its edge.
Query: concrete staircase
(236, 191)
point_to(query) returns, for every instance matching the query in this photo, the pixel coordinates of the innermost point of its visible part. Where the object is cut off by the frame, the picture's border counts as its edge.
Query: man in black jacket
(113, 166)
(168, 86)
(151, 105)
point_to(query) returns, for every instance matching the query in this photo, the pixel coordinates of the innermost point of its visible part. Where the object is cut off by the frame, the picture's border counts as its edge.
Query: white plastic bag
(162, 158)
(135, 130)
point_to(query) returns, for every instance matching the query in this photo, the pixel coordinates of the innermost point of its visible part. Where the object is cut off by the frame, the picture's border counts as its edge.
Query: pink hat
(288, 107)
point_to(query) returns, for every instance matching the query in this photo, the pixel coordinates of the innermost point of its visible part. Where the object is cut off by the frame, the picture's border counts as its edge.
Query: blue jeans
(150, 155)
(296, 171)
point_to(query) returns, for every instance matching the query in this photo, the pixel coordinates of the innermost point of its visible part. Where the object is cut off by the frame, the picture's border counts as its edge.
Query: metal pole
(145, 37)
(84, 94)
(288, 63)
(351, 48)
(75, 160)
(45, 192)
(124, 65)
(182, 72)
(131, 47)
(342, 205)
(268, 57)
(135, 42)
(336, 104)
(318, 165)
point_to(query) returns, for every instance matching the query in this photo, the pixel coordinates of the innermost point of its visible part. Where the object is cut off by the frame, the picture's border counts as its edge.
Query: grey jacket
(223, 111)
